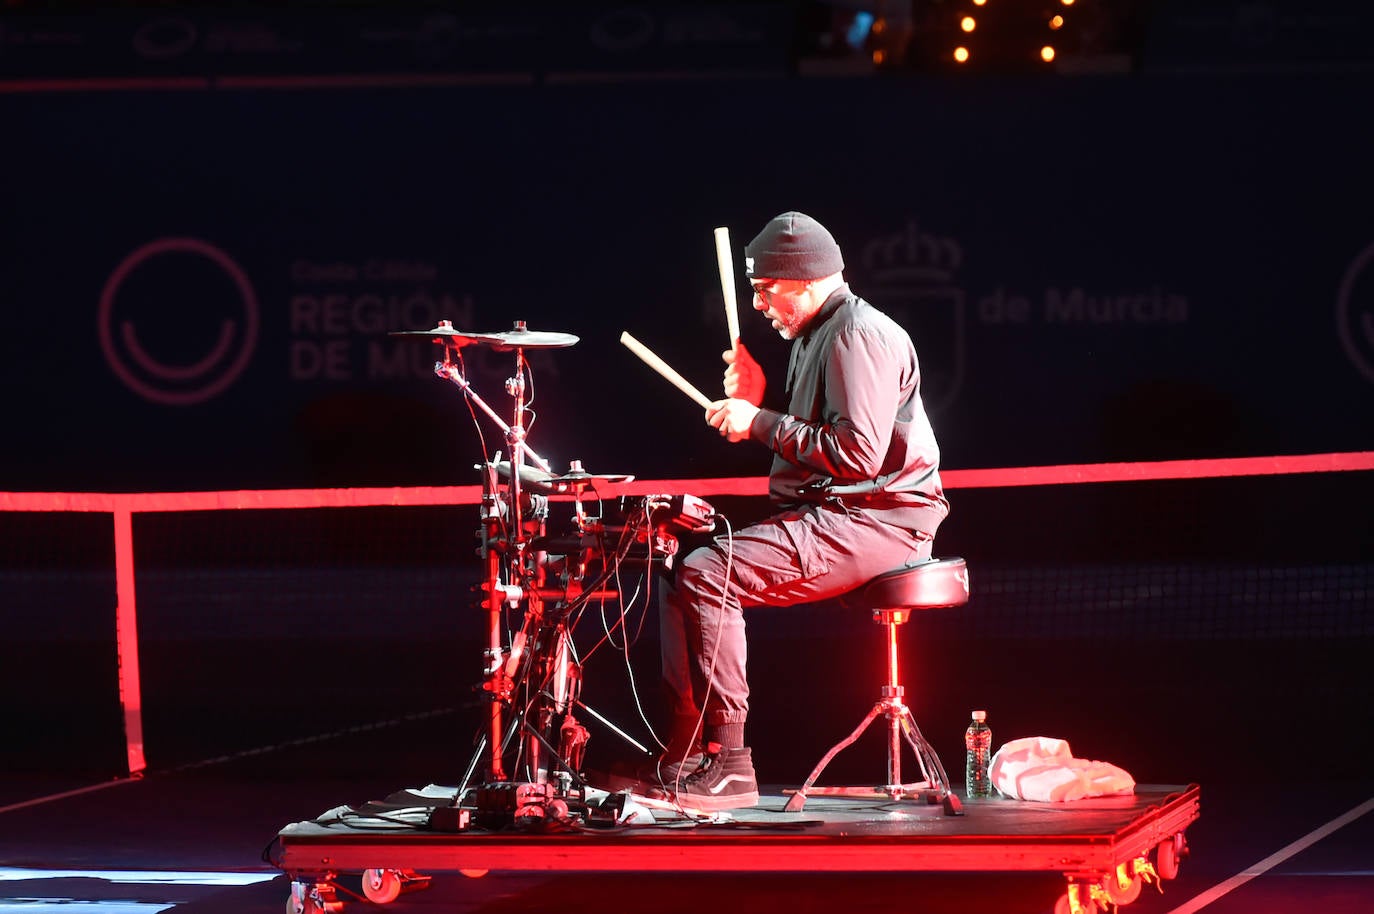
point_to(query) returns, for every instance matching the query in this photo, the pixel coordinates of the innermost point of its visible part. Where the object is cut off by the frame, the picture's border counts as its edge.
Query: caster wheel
(310, 902)
(1064, 906)
(381, 886)
(474, 873)
(1123, 885)
(1169, 854)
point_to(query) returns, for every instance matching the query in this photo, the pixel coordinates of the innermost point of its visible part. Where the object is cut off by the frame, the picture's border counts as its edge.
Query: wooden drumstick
(662, 368)
(727, 283)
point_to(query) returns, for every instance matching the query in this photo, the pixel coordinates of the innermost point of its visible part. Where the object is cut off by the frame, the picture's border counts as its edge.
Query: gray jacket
(856, 429)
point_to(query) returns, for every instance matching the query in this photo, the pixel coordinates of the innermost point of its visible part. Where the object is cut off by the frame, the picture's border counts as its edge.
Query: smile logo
(178, 321)
(1355, 313)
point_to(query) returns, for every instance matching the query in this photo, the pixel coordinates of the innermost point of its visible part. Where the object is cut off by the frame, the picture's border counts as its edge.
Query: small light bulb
(961, 55)
(968, 23)
(1057, 22)
(1047, 53)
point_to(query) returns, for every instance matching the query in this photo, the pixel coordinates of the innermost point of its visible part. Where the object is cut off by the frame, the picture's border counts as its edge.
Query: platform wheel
(1168, 855)
(1123, 884)
(313, 898)
(381, 886)
(1077, 900)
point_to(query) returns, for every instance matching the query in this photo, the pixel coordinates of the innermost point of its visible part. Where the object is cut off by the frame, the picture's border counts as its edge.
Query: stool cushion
(933, 584)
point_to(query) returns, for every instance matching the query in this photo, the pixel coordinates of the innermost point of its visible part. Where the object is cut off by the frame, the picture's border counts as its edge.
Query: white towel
(1043, 768)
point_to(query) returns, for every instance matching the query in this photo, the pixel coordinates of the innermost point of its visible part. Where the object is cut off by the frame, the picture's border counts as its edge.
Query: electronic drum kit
(528, 764)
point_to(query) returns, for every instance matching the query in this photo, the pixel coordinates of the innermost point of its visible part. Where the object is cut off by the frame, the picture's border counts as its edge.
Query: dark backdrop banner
(197, 286)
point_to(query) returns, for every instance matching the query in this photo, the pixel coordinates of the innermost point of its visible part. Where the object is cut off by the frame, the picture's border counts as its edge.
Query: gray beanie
(792, 246)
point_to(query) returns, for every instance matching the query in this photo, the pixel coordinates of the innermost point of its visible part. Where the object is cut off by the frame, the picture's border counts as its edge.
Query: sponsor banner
(1258, 35)
(199, 287)
(454, 43)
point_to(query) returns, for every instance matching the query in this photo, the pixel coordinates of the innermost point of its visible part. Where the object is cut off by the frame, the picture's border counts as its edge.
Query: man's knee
(702, 571)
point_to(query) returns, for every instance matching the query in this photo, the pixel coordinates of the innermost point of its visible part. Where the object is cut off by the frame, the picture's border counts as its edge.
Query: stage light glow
(979, 2)
(879, 55)
(139, 877)
(858, 30)
(961, 54)
(1056, 22)
(968, 23)
(1047, 53)
(83, 906)
(1067, 2)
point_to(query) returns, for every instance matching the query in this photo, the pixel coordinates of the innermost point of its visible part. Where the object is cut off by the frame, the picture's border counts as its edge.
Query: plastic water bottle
(978, 742)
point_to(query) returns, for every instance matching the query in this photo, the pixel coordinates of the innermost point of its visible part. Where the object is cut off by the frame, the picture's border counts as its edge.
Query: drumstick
(662, 368)
(727, 283)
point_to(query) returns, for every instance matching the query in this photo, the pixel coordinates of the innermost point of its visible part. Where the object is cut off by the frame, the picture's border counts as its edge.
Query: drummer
(855, 482)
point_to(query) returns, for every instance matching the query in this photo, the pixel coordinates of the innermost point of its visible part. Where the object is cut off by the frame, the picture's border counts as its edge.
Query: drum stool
(892, 597)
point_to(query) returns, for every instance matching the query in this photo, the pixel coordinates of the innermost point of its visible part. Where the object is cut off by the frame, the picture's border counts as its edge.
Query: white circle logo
(226, 348)
(1355, 313)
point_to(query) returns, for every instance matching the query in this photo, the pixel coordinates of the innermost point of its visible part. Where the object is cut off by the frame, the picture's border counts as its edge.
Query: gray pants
(799, 556)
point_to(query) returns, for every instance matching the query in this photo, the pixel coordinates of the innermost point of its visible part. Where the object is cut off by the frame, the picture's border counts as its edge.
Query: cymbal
(583, 479)
(519, 338)
(529, 475)
(536, 480)
(527, 339)
(445, 329)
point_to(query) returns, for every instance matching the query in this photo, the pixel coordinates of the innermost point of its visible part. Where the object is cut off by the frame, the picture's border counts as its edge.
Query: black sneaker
(724, 780)
(652, 774)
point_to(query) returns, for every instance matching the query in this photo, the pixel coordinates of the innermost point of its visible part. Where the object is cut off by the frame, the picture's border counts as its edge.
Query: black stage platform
(1108, 847)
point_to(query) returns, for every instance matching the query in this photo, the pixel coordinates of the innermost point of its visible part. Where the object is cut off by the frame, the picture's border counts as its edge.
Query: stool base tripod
(900, 724)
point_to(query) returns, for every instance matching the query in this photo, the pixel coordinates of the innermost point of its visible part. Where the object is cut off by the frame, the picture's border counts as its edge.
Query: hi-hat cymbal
(528, 339)
(536, 480)
(583, 479)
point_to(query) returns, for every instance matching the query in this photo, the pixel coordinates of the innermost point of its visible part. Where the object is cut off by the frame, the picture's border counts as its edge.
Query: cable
(630, 673)
(711, 670)
(537, 708)
(402, 817)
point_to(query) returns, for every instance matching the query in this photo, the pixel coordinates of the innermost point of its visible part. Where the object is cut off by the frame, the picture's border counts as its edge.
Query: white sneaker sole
(696, 802)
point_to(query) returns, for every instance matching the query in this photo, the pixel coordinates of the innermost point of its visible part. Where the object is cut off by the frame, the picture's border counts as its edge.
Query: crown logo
(912, 254)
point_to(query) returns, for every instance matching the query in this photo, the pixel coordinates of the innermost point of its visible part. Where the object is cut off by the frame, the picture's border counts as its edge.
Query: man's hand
(743, 377)
(732, 418)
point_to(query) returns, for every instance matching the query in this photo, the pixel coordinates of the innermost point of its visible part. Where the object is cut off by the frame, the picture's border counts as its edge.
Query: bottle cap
(980, 715)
